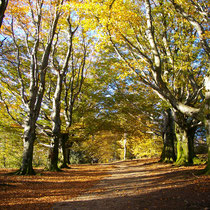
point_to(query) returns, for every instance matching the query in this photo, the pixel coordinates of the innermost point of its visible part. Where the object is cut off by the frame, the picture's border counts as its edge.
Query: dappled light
(135, 184)
(104, 104)
(143, 184)
(46, 188)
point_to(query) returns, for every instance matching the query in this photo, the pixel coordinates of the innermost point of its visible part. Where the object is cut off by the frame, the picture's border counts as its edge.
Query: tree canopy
(85, 75)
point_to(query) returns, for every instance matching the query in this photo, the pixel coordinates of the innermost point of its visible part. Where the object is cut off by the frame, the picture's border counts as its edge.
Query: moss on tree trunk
(207, 123)
(182, 146)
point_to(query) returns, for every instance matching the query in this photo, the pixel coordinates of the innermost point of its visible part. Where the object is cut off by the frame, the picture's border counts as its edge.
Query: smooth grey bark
(155, 80)
(165, 93)
(69, 105)
(207, 119)
(125, 146)
(73, 87)
(36, 90)
(56, 125)
(181, 101)
(29, 138)
(201, 33)
(56, 121)
(3, 7)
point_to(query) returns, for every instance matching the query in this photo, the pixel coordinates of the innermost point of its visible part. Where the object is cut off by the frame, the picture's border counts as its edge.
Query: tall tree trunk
(125, 146)
(68, 155)
(32, 90)
(168, 153)
(191, 135)
(29, 138)
(65, 150)
(56, 120)
(182, 146)
(53, 153)
(56, 125)
(207, 169)
(207, 120)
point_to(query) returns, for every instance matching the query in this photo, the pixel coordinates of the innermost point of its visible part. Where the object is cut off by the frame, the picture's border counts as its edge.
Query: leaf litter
(137, 184)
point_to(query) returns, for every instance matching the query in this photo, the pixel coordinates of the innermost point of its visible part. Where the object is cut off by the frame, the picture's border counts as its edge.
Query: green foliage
(10, 147)
(146, 147)
(118, 88)
(77, 157)
(40, 156)
(200, 159)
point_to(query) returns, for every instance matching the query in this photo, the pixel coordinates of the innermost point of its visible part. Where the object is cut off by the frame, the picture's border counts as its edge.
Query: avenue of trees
(103, 80)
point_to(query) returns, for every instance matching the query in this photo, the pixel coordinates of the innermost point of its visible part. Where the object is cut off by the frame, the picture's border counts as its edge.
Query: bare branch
(198, 26)
(150, 35)
(20, 78)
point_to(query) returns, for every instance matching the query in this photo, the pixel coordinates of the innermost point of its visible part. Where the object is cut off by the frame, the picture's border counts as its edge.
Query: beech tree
(162, 48)
(110, 106)
(68, 67)
(61, 74)
(61, 70)
(31, 29)
(196, 13)
(169, 137)
(72, 88)
(160, 45)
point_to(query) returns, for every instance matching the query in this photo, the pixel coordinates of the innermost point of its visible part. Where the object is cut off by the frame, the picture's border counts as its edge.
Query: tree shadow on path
(139, 185)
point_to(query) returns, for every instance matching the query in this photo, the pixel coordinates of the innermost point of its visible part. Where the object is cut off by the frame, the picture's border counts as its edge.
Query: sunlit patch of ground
(145, 184)
(137, 184)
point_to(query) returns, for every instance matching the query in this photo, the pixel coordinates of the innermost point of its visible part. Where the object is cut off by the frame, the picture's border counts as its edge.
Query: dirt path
(145, 185)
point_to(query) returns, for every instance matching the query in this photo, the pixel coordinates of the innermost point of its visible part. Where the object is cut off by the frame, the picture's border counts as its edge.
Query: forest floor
(137, 184)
